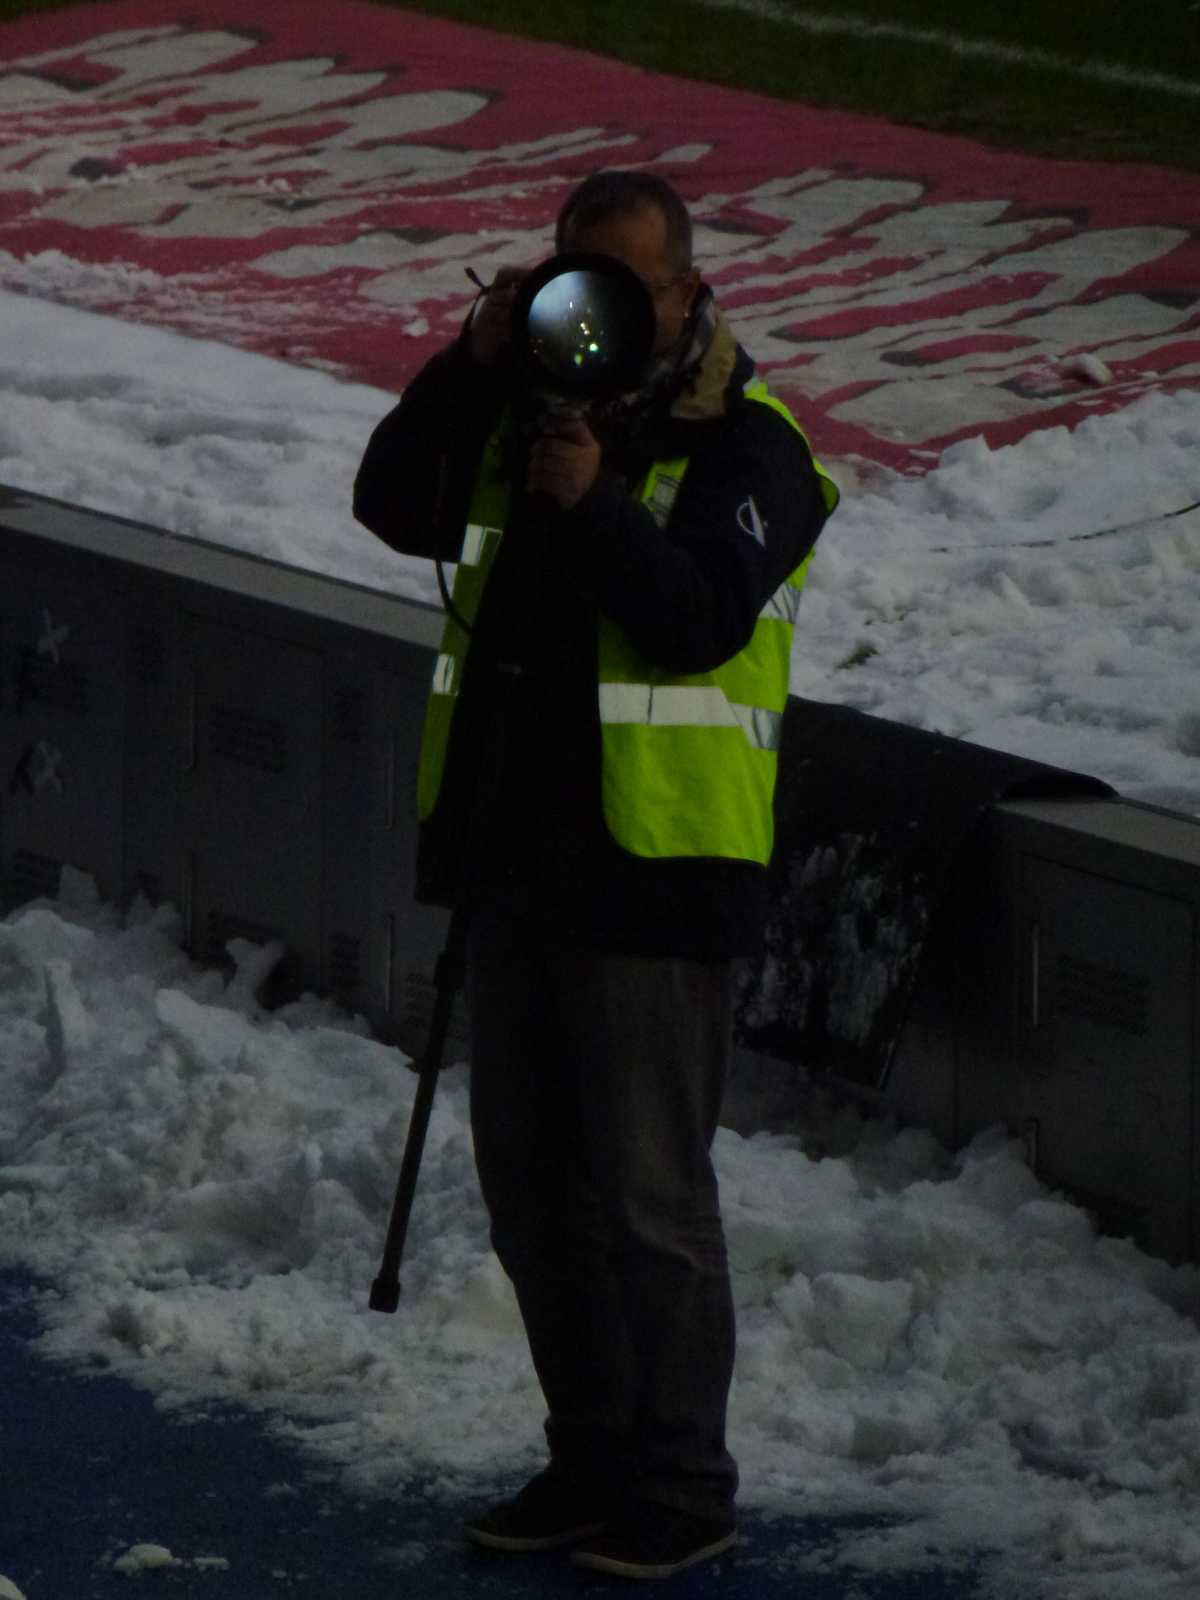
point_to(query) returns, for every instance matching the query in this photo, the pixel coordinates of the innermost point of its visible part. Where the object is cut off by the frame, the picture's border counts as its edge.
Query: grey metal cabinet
(231, 735)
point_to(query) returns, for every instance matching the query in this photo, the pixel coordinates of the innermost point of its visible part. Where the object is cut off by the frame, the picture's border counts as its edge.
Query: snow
(929, 1337)
(187, 435)
(145, 1557)
(203, 1186)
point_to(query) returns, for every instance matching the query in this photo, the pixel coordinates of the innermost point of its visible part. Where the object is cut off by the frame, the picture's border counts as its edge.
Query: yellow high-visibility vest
(689, 760)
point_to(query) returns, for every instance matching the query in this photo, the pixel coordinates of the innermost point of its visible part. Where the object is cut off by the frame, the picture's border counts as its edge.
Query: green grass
(22, 8)
(1030, 107)
(1043, 107)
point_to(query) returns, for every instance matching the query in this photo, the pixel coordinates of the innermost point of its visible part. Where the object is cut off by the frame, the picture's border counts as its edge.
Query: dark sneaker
(649, 1541)
(549, 1513)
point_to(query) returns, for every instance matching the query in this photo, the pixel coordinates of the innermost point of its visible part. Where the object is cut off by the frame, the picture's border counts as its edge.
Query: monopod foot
(385, 1294)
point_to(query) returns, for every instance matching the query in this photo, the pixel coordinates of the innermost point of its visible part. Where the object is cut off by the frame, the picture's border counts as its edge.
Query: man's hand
(489, 331)
(564, 461)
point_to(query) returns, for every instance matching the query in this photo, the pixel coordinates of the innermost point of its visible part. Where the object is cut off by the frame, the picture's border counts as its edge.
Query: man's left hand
(564, 462)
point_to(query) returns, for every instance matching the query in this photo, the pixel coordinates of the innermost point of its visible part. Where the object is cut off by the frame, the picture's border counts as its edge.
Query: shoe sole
(513, 1545)
(595, 1561)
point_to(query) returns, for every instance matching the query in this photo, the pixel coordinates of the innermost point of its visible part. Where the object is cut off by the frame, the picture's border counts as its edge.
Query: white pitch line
(956, 44)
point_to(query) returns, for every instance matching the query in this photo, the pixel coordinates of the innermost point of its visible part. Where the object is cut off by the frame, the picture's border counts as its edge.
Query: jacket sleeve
(414, 482)
(688, 595)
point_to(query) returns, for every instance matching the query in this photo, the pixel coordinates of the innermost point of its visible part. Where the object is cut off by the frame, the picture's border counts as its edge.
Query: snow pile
(192, 436)
(1042, 599)
(937, 1341)
(141, 1558)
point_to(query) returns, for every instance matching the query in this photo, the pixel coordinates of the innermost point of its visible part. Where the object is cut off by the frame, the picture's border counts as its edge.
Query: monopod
(582, 326)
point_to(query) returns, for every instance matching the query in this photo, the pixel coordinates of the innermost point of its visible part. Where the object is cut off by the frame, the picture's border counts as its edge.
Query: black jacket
(688, 596)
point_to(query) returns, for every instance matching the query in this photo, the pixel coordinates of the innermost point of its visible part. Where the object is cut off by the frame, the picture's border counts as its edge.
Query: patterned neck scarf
(669, 381)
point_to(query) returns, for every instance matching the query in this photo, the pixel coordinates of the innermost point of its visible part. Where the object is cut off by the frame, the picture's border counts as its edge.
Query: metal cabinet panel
(150, 846)
(1073, 966)
(62, 718)
(1105, 1055)
(379, 945)
(251, 793)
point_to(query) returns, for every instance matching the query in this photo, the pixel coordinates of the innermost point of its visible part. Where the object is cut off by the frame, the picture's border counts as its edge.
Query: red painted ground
(310, 178)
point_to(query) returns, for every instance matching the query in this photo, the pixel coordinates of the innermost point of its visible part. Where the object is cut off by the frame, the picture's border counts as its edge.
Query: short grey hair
(623, 194)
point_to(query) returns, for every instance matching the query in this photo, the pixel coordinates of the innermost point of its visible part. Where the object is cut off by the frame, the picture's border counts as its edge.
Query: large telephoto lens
(583, 326)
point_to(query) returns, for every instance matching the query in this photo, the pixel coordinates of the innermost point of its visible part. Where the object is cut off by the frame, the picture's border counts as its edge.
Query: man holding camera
(627, 579)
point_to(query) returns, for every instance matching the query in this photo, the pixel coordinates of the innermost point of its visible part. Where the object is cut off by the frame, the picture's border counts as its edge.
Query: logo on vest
(749, 521)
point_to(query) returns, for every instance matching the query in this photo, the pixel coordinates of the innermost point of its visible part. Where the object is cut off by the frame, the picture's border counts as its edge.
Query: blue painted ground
(90, 1468)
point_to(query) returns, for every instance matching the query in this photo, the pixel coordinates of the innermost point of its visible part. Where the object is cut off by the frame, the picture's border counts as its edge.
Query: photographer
(626, 583)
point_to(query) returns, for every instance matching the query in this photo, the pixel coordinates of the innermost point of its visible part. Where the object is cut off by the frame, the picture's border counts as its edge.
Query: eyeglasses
(655, 289)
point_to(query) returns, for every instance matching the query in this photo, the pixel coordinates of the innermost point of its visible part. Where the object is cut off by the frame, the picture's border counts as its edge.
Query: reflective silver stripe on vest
(473, 542)
(784, 604)
(688, 705)
(662, 497)
(444, 674)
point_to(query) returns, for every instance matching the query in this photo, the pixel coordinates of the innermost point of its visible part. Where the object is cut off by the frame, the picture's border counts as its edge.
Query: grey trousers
(596, 1082)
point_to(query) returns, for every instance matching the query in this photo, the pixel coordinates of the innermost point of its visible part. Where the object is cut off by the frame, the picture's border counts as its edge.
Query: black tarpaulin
(871, 816)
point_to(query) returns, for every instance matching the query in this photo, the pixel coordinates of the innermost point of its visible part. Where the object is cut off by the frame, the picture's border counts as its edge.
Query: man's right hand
(489, 332)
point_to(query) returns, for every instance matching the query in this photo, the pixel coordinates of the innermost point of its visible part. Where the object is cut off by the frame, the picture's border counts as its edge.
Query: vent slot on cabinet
(247, 738)
(1103, 995)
